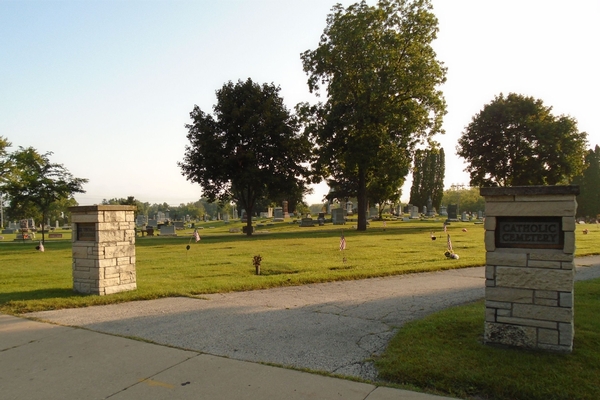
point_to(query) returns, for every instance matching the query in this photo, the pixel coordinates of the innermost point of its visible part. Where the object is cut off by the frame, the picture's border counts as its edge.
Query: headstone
(278, 214)
(56, 224)
(443, 211)
(8, 231)
(141, 220)
(337, 216)
(464, 217)
(235, 214)
(179, 225)
(429, 203)
(307, 222)
(414, 212)
(167, 230)
(349, 208)
(153, 223)
(424, 210)
(452, 212)
(373, 212)
(284, 205)
(226, 218)
(269, 212)
(479, 214)
(321, 219)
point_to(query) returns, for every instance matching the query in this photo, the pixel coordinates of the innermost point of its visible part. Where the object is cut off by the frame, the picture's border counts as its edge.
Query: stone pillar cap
(529, 190)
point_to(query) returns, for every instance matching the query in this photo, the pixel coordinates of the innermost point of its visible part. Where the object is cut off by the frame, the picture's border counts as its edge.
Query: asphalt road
(334, 327)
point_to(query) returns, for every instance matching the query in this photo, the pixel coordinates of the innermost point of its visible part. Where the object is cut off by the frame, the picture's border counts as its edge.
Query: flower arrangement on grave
(256, 262)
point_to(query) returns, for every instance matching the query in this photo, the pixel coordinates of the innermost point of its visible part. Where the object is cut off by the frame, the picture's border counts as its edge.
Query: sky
(107, 86)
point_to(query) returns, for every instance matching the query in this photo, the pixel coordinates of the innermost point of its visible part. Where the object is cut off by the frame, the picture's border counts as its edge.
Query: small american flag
(445, 228)
(196, 235)
(342, 242)
(449, 244)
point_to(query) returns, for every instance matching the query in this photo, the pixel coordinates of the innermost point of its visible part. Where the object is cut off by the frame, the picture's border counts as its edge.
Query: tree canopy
(428, 177)
(35, 184)
(381, 78)
(515, 140)
(251, 148)
(588, 201)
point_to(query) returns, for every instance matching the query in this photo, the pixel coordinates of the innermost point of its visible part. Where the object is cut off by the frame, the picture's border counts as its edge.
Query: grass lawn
(442, 353)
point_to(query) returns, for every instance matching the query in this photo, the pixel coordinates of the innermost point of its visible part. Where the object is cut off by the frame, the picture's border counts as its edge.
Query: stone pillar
(530, 269)
(103, 249)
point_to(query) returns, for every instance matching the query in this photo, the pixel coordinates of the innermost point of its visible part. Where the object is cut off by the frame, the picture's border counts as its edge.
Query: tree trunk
(362, 201)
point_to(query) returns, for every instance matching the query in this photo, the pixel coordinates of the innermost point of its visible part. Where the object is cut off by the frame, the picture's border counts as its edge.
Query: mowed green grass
(222, 261)
(444, 353)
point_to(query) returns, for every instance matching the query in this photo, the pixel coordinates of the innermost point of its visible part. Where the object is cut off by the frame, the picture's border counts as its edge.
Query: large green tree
(516, 140)
(250, 149)
(35, 183)
(428, 177)
(588, 201)
(381, 78)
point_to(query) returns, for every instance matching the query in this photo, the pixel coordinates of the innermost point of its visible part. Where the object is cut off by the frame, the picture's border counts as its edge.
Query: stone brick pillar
(103, 249)
(530, 247)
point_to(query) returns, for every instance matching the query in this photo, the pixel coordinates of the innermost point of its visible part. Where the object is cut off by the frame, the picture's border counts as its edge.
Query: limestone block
(550, 255)
(123, 261)
(568, 265)
(530, 209)
(114, 216)
(509, 335)
(120, 288)
(503, 313)
(490, 240)
(555, 348)
(543, 264)
(545, 198)
(566, 299)
(110, 236)
(527, 322)
(546, 294)
(532, 278)
(489, 224)
(107, 262)
(568, 224)
(503, 258)
(569, 243)
(108, 226)
(566, 333)
(490, 283)
(544, 313)
(498, 305)
(490, 272)
(81, 252)
(108, 282)
(548, 336)
(87, 217)
(510, 295)
(546, 302)
(499, 198)
(490, 315)
(86, 263)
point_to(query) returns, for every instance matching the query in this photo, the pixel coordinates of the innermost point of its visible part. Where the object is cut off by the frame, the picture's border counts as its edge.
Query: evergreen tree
(428, 177)
(588, 201)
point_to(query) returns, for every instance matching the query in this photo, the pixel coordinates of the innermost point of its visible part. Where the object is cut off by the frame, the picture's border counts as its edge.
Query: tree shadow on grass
(38, 294)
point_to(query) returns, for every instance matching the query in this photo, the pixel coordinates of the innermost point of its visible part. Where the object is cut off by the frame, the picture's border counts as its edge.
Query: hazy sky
(108, 86)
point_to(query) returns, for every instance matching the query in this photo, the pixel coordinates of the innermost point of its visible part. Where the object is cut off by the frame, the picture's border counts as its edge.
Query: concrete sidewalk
(44, 361)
